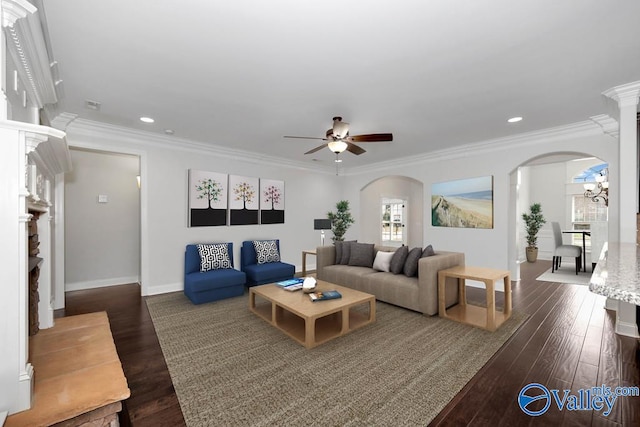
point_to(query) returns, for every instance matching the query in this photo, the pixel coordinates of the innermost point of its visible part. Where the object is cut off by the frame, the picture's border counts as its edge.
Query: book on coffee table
(321, 296)
(290, 282)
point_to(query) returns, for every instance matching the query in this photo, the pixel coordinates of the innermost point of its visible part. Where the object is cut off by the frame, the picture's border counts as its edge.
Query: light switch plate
(103, 198)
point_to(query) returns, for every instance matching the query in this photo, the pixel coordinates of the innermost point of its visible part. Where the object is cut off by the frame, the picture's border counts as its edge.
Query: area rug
(230, 367)
(566, 274)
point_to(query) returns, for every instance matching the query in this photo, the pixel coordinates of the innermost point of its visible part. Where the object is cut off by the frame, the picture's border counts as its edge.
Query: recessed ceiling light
(169, 131)
(147, 119)
(514, 119)
(338, 160)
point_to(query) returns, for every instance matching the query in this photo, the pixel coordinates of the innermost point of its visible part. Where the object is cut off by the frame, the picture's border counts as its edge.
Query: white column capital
(625, 95)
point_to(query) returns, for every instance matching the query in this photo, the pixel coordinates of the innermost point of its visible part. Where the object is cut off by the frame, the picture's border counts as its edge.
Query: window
(393, 212)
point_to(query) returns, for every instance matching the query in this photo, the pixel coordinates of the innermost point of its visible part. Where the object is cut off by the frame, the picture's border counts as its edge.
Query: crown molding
(27, 47)
(585, 128)
(608, 124)
(77, 127)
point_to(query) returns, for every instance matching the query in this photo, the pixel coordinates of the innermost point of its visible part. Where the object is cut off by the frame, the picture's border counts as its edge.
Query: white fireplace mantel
(24, 147)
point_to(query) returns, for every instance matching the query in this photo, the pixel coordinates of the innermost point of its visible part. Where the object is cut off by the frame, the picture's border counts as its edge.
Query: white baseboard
(25, 389)
(91, 284)
(163, 289)
(627, 329)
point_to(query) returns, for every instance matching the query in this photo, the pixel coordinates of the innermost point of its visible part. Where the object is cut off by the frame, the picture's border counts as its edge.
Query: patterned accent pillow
(214, 256)
(266, 251)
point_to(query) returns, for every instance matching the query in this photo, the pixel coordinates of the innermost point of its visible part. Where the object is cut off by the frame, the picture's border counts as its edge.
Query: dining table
(584, 233)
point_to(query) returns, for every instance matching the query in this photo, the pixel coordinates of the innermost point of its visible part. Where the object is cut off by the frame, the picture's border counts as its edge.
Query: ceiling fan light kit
(338, 139)
(337, 146)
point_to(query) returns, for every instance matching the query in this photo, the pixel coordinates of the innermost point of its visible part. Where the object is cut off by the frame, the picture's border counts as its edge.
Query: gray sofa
(415, 293)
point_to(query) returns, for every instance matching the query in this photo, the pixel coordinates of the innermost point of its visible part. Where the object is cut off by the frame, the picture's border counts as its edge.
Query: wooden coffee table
(313, 323)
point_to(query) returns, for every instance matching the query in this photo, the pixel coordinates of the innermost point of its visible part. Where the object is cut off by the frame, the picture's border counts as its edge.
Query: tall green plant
(341, 220)
(534, 220)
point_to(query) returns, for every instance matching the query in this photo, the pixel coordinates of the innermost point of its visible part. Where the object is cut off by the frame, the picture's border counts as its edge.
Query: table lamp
(322, 224)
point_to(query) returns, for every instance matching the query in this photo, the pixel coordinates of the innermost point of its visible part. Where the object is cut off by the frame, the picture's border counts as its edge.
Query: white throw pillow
(382, 261)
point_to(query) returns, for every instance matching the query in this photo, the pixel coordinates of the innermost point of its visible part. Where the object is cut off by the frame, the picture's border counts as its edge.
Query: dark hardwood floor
(153, 401)
(567, 343)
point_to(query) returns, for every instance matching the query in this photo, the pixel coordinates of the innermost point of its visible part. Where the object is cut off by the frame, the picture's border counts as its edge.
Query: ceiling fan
(338, 139)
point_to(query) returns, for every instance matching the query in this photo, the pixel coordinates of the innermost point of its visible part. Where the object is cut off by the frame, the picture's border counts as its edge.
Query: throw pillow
(214, 256)
(398, 259)
(346, 252)
(361, 254)
(382, 261)
(338, 246)
(428, 251)
(411, 263)
(266, 251)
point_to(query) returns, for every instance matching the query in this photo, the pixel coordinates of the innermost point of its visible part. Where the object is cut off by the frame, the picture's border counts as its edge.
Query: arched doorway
(550, 181)
(405, 196)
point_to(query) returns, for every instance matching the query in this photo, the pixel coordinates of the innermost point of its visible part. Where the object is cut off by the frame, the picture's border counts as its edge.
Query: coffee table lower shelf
(316, 329)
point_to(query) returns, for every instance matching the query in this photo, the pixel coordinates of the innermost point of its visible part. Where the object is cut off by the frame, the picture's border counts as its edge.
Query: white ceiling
(438, 73)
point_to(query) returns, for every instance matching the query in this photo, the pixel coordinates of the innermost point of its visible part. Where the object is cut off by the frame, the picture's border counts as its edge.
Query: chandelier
(599, 190)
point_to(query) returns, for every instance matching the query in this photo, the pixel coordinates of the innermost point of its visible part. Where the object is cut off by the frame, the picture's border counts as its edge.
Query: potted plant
(340, 220)
(533, 220)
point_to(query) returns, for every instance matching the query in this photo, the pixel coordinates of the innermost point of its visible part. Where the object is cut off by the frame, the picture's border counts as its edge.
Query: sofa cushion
(266, 251)
(361, 254)
(214, 279)
(398, 259)
(214, 256)
(382, 262)
(268, 272)
(410, 267)
(428, 251)
(347, 275)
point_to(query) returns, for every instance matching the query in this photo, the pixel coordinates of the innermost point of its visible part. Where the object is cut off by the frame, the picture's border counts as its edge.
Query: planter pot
(532, 254)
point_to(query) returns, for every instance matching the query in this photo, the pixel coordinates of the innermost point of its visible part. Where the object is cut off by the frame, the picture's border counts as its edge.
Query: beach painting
(464, 203)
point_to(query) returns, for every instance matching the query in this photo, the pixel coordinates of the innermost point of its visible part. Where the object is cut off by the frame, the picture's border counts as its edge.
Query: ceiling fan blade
(304, 137)
(316, 149)
(372, 137)
(353, 148)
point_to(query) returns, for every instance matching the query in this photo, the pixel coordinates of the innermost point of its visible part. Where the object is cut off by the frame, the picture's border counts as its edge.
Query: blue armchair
(212, 285)
(268, 272)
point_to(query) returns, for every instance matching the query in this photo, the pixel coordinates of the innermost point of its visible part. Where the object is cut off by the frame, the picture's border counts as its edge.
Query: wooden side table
(304, 260)
(486, 318)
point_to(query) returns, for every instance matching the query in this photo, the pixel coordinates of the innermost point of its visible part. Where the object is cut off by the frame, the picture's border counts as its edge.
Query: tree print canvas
(243, 200)
(271, 201)
(207, 198)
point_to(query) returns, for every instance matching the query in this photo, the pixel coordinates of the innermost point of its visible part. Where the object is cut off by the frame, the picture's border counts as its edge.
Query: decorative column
(626, 97)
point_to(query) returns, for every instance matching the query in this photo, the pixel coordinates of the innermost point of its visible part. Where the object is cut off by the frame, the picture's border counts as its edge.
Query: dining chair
(563, 250)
